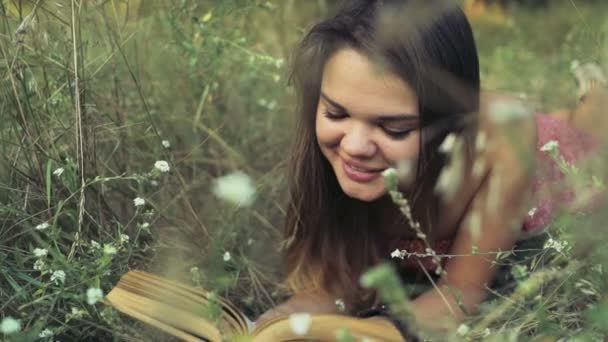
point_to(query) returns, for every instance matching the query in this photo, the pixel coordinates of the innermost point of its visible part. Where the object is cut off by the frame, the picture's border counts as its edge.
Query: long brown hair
(330, 238)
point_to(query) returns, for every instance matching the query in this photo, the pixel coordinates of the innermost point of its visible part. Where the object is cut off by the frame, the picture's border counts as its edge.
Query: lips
(360, 174)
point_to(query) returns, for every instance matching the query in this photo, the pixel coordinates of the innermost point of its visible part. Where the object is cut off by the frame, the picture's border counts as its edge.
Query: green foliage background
(94, 87)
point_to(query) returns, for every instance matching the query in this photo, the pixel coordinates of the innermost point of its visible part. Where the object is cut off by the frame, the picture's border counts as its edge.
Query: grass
(96, 88)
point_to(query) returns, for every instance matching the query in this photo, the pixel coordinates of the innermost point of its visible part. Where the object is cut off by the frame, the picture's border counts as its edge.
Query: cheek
(328, 133)
(407, 149)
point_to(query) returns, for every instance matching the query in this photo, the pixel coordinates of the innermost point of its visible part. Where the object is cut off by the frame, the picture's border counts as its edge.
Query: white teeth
(358, 169)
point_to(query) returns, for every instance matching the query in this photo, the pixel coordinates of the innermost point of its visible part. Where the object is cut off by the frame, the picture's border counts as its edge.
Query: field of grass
(117, 117)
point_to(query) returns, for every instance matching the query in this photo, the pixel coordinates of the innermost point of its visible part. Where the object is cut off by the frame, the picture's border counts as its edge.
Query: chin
(364, 195)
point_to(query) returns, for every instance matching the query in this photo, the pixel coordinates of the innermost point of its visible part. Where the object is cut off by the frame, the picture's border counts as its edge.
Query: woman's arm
(492, 223)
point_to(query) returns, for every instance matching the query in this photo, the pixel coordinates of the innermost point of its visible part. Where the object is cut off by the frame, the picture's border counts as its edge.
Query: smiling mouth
(361, 175)
(362, 169)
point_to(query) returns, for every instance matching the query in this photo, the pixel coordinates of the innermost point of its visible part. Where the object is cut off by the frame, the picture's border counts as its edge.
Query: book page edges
(182, 297)
(153, 312)
(324, 327)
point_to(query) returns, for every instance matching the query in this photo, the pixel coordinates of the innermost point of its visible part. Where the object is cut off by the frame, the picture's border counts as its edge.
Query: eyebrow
(380, 117)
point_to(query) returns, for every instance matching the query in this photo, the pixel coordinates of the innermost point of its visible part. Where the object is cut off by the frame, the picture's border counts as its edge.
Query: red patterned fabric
(549, 196)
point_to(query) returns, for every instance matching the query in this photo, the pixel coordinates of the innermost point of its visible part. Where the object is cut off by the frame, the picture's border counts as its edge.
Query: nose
(358, 143)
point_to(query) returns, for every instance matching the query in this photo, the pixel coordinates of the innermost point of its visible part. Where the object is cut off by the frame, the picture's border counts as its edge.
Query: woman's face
(366, 122)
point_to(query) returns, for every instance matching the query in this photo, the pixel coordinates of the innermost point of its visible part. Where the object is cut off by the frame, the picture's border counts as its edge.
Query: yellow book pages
(184, 297)
(178, 309)
(171, 318)
(324, 327)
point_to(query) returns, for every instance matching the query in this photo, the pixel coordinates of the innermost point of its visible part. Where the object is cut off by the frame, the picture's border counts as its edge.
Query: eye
(398, 134)
(334, 116)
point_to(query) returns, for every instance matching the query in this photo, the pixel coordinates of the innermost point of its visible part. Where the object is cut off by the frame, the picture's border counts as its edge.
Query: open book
(183, 311)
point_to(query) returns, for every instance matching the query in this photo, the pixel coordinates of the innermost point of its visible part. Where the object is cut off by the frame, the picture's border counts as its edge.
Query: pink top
(574, 145)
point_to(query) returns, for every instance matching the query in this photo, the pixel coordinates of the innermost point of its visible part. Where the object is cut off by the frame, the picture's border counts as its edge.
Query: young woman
(386, 84)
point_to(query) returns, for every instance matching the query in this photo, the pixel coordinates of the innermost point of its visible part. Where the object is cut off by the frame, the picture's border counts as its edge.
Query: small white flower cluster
(39, 265)
(58, 172)
(559, 245)
(463, 330)
(227, 256)
(236, 188)
(162, 166)
(404, 206)
(75, 314)
(43, 226)
(139, 202)
(549, 146)
(58, 277)
(40, 252)
(95, 245)
(300, 323)
(340, 305)
(399, 253)
(10, 325)
(109, 249)
(46, 333)
(94, 294)
(452, 174)
(166, 143)
(124, 238)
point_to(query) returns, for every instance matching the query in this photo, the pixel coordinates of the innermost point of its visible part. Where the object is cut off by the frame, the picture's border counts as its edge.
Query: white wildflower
(166, 143)
(450, 179)
(550, 146)
(575, 64)
(40, 252)
(480, 141)
(508, 110)
(162, 166)
(39, 265)
(398, 253)
(448, 143)
(558, 245)
(340, 305)
(46, 333)
(58, 277)
(138, 201)
(43, 226)
(95, 245)
(145, 225)
(153, 183)
(463, 329)
(10, 325)
(300, 323)
(109, 249)
(94, 294)
(532, 212)
(58, 171)
(124, 238)
(227, 256)
(486, 332)
(75, 314)
(236, 188)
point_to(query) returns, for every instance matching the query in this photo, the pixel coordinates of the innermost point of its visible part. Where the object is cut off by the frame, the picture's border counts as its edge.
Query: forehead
(363, 86)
